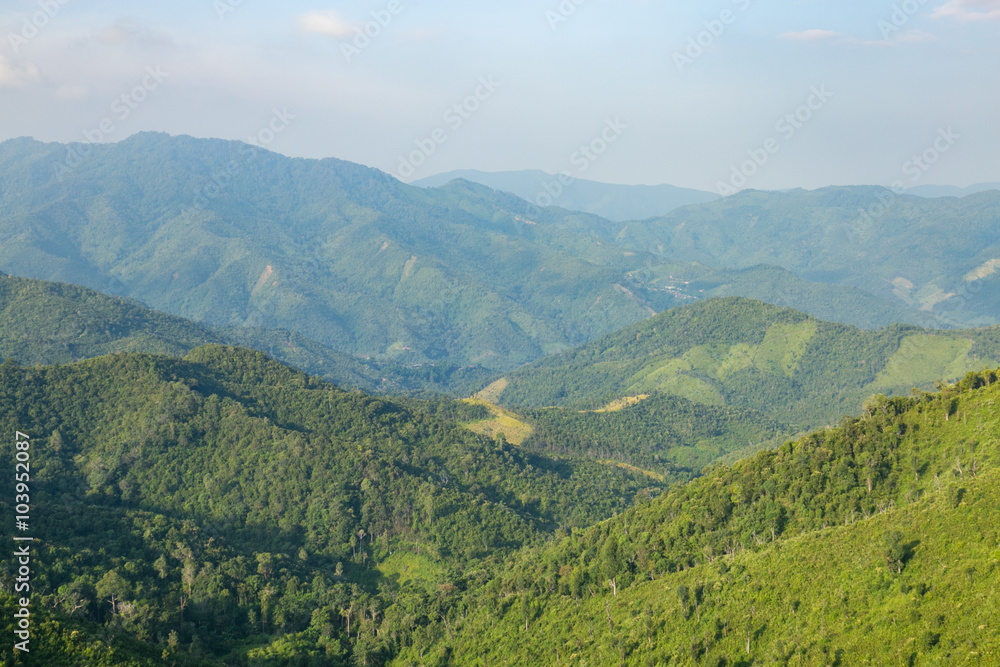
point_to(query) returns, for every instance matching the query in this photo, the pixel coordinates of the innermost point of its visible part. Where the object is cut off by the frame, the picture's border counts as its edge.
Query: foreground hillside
(750, 355)
(873, 543)
(223, 506)
(224, 509)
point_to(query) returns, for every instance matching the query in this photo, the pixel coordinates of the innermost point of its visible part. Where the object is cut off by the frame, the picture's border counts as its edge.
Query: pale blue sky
(688, 122)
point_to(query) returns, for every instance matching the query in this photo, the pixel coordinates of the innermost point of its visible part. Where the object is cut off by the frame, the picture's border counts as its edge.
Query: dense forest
(661, 433)
(875, 542)
(225, 508)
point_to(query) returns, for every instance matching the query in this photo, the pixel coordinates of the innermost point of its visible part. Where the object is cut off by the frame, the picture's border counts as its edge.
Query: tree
(684, 595)
(611, 563)
(896, 552)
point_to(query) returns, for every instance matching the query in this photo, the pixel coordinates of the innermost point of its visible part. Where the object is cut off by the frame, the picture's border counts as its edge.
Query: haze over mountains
(229, 235)
(951, 190)
(55, 323)
(624, 202)
(614, 202)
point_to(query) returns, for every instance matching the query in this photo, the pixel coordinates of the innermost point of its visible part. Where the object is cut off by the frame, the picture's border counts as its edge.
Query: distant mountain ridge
(931, 191)
(611, 201)
(234, 236)
(231, 235)
(940, 255)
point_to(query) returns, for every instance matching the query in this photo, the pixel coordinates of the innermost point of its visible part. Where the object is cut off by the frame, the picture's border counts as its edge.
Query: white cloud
(915, 36)
(15, 76)
(909, 37)
(131, 31)
(811, 35)
(969, 10)
(327, 23)
(72, 92)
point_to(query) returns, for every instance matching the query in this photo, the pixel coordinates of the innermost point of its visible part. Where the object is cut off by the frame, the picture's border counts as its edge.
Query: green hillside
(937, 255)
(53, 323)
(872, 543)
(225, 508)
(660, 433)
(749, 355)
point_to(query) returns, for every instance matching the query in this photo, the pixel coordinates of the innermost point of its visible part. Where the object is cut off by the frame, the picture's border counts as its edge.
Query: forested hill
(876, 542)
(751, 355)
(51, 323)
(223, 508)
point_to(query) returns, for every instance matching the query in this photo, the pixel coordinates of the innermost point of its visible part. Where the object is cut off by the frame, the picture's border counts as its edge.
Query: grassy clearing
(621, 404)
(921, 359)
(625, 466)
(407, 568)
(491, 394)
(514, 430)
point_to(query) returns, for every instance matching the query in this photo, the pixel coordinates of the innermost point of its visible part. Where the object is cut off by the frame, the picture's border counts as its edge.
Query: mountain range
(230, 235)
(940, 256)
(614, 202)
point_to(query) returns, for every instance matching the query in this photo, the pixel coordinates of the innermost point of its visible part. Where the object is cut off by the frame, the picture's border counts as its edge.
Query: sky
(709, 95)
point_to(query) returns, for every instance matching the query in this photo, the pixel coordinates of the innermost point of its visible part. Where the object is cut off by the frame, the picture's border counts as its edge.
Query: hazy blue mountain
(234, 236)
(223, 233)
(940, 255)
(951, 190)
(614, 202)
